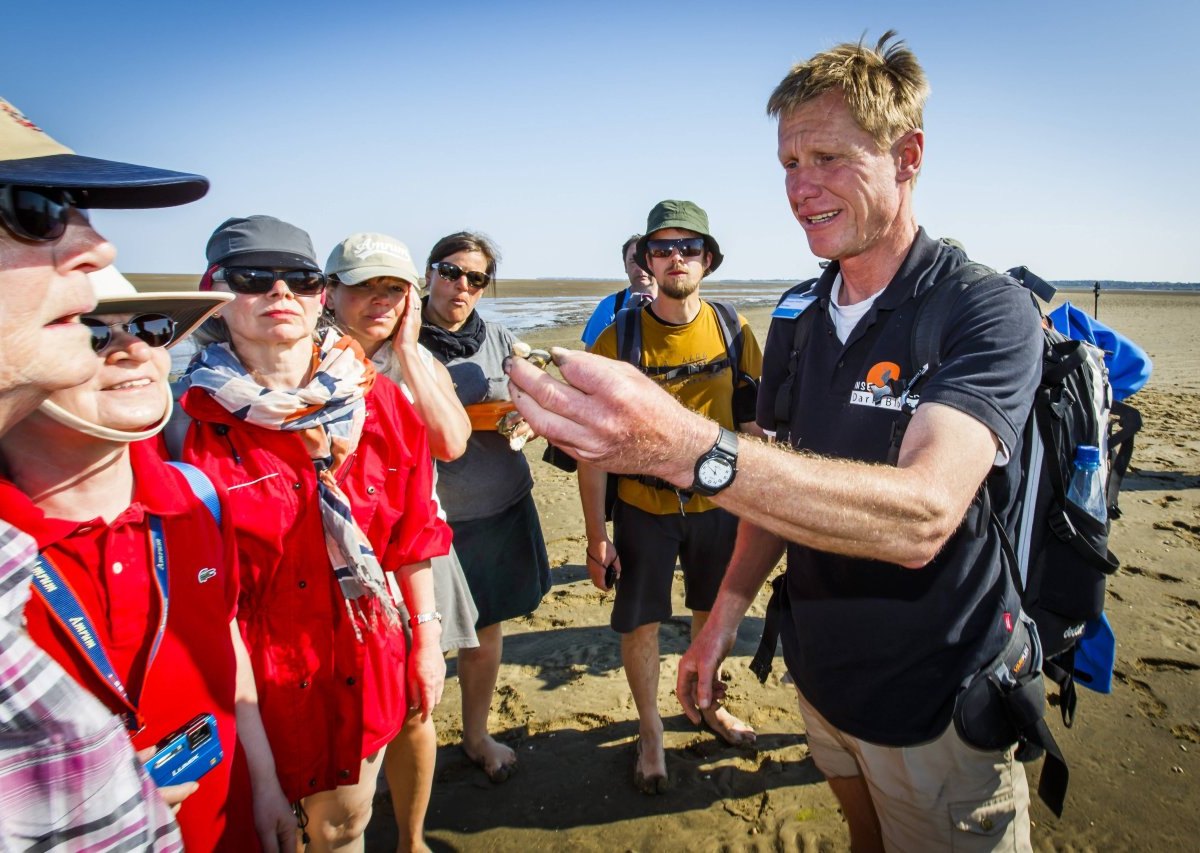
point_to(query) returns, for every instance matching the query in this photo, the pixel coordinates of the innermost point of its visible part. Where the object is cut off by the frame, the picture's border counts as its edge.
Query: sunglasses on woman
(37, 214)
(258, 280)
(157, 330)
(688, 247)
(453, 272)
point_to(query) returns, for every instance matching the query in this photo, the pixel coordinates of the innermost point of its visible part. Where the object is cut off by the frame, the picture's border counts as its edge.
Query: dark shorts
(505, 562)
(649, 546)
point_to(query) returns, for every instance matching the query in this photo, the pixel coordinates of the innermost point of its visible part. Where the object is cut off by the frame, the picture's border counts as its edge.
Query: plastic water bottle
(1087, 487)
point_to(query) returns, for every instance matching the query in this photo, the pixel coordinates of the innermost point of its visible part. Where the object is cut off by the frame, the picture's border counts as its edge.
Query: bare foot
(650, 765)
(728, 727)
(495, 759)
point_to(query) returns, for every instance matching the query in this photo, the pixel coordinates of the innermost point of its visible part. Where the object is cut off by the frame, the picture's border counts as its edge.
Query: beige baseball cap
(368, 255)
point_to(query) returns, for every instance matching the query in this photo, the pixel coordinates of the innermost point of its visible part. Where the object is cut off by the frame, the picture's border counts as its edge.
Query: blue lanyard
(65, 606)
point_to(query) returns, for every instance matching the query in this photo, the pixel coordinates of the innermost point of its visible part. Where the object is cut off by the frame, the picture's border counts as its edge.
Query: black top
(878, 649)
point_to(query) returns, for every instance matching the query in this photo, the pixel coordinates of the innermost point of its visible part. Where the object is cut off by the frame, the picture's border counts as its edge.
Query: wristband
(422, 618)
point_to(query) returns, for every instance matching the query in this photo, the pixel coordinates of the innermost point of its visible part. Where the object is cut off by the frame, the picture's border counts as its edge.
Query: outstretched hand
(698, 685)
(609, 415)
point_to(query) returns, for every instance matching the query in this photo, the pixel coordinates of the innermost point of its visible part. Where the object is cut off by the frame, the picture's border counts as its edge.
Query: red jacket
(327, 700)
(108, 568)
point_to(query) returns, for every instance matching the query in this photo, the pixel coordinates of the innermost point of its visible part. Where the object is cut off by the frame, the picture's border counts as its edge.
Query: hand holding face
(611, 416)
(408, 328)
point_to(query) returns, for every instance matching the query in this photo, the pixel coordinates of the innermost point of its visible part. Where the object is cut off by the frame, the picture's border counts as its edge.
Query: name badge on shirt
(792, 305)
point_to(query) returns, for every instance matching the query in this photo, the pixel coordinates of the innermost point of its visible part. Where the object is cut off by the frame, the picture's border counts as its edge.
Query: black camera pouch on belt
(1004, 704)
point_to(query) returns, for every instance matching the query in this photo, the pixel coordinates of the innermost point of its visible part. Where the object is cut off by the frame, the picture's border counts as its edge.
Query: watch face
(714, 473)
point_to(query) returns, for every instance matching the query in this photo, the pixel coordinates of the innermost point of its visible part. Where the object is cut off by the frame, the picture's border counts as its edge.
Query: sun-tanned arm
(613, 417)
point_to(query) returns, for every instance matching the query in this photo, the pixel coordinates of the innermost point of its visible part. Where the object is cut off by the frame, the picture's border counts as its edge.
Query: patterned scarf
(328, 415)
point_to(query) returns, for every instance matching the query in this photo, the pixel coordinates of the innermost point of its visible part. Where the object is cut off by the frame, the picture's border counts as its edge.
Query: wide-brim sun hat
(686, 215)
(115, 294)
(30, 157)
(367, 255)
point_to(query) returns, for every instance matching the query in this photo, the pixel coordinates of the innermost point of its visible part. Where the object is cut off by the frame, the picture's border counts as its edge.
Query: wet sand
(564, 706)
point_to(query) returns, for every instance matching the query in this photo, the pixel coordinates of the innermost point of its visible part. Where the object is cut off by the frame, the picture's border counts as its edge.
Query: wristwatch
(422, 618)
(716, 469)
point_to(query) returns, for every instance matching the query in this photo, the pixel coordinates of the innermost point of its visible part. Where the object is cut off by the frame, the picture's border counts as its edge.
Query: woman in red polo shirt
(329, 478)
(158, 647)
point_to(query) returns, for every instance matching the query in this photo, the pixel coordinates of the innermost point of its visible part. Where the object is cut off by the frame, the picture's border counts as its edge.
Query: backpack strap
(202, 487)
(1128, 421)
(629, 336)
(933, 309)
(621, 296)
(801, 332)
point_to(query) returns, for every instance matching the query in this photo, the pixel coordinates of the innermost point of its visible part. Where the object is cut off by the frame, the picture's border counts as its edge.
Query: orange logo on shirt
(883, 373)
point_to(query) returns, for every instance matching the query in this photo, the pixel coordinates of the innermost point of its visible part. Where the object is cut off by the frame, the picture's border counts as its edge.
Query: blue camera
(187, 753)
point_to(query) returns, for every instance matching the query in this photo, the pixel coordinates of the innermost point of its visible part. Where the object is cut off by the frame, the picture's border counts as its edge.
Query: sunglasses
(257, 280)
(157, 330)
(37, 214)
(688, 247)
(453, 272)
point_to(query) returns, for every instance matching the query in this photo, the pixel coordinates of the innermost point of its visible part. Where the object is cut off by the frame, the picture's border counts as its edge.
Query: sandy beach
(564, 706)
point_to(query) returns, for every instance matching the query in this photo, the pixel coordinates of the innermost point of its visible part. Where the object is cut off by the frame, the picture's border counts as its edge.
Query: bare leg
(337, 819)
(409, 763)
(728, 727)
(639, 655)
(854, 797)
(477, 671)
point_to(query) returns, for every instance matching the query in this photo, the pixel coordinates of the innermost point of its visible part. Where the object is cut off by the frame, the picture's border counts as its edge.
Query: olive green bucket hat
(678, 214)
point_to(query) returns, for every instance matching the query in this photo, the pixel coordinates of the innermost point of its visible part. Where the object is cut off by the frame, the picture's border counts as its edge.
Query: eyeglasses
(37, 214)
(257, 280)
(688, 247)
(453, 272)
(157, 330)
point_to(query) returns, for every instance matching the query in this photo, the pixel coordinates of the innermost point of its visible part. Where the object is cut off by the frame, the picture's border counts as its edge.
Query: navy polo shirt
(878, 649)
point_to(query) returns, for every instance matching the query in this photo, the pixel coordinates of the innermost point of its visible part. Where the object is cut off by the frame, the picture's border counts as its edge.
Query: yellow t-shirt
(710, 394)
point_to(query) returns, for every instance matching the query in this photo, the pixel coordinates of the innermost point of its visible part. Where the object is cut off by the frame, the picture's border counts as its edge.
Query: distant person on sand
(642, 289)
(330, 480)
(488, 492)
(895, 592)
(684, 349)
(70, 778)
(374, 296)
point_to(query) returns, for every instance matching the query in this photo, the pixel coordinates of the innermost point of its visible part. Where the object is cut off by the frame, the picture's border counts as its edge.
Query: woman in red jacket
(155, 640)
(328, 473)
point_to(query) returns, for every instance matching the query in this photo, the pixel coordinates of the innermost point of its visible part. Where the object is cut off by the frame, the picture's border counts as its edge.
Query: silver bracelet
(422, 618)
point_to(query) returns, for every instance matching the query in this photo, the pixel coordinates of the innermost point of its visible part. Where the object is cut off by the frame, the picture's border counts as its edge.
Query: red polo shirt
(327, 698)
(109, 568)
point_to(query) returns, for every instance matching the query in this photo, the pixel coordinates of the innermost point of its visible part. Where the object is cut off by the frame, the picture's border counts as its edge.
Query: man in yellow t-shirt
(683, 348)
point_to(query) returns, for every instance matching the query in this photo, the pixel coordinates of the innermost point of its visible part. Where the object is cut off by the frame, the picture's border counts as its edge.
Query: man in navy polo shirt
(895, 592)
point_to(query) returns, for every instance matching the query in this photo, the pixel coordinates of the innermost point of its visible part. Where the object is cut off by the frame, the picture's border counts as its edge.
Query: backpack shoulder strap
(177, 425)
(731, 333)
(621, 297)
(629, 336)
(800, 335)
(201, 486)
(933, 310)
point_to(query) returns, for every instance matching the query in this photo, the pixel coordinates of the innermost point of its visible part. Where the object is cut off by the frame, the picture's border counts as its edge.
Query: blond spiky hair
(884, 86)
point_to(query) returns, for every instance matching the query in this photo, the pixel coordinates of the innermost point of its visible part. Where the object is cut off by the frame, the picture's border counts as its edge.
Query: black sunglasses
(258, 280)
(688, 247)
(157, 330)
(37, 214)
(453, 272)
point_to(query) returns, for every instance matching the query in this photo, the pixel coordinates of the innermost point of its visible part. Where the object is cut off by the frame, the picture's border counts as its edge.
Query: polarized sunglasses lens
(39, 214)
(101, 334)
(249, 279)
(157, 330)
(688, 247)
(477, 280)
(304, 282)
(448, 271)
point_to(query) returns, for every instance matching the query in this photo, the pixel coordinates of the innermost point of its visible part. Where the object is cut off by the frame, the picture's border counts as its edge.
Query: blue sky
(1059, 135)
